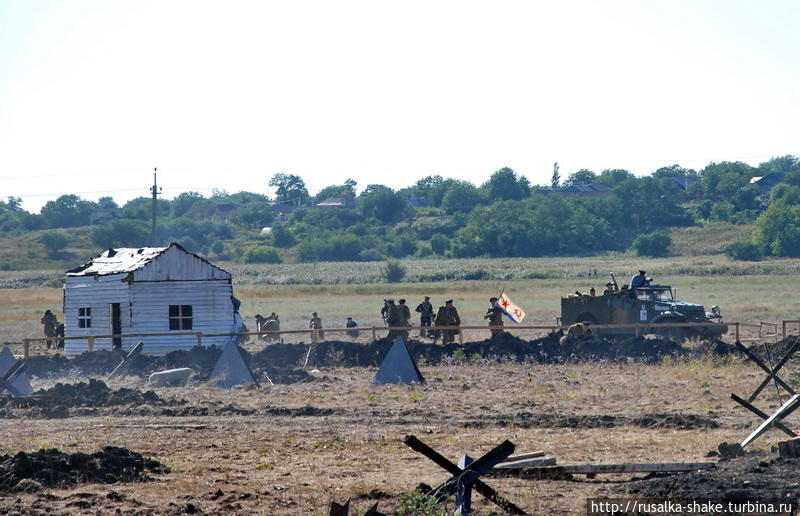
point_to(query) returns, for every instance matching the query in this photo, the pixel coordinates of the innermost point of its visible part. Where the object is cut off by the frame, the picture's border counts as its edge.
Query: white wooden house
(148, 290)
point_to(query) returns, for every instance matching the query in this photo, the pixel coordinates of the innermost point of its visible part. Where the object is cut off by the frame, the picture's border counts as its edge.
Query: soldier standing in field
(50, 322)
(316, 325)
(495, 316)
(425, 311)
(405, 316)
(447, 315)
(394, 319)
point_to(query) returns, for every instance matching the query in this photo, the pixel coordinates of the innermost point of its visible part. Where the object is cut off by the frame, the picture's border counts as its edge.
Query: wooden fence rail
(374, 330)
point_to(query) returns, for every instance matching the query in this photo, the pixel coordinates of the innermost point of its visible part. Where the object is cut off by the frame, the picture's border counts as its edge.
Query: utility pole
(155, 190)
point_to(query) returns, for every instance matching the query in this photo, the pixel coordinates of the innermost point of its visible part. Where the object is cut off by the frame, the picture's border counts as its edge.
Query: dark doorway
(116, 325)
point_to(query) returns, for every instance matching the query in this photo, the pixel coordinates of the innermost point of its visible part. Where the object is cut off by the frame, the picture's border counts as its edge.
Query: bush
(282, 237)
(654, 244)
(394, 272)
(53, 241)
(440, 243)
(744, 251)
(262, 255)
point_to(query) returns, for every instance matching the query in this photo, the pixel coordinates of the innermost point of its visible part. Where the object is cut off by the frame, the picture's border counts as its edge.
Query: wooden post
(90, 345)
(199, 339)
(374, 334)
(783, 328)
(737, 332)
(26, 348)
(460, 336)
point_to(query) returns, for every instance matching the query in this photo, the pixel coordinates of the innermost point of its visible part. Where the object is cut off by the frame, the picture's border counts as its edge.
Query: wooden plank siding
(173, 277)
(175, 264)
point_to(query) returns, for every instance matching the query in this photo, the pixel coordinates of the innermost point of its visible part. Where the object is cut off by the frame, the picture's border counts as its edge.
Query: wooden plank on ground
(595, 469)
(785, 409)
(521, 456)
(527, 463)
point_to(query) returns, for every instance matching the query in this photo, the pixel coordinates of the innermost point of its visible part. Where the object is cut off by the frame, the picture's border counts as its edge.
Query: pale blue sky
(94, 94)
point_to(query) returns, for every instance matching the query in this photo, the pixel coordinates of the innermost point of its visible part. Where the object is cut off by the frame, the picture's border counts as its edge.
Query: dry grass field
(293, 448)
(350, 444)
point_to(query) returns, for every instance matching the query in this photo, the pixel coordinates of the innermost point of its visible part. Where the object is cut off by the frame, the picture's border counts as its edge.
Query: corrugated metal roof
(118, 261)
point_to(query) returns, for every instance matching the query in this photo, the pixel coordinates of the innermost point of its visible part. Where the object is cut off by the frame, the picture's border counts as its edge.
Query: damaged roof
(124, 259)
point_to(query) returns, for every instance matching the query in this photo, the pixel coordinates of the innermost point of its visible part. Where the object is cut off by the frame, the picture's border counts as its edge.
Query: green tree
(67, 211)
(722, 180)
(121, 233)
(462, 196)
(784, 164)
(54, 241)
(289, 188)
(254, 215)
(777, 230)
(382, 203)
(348, 189)
(614, 176)
(505, 185)
(556, 178)
(581, 177)
(282, 237)
(440, 243)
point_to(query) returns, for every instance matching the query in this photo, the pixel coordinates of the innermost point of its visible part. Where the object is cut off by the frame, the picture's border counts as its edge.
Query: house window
(84, 317)
(180, 317)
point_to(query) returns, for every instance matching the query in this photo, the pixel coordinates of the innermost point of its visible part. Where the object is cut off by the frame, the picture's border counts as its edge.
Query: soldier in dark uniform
(495, 316)
(405, 316)
(447, 315)
(353, 334)
(425, 311)
(50, 322)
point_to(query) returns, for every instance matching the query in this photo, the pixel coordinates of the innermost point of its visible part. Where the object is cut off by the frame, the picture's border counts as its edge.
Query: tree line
(436, 216)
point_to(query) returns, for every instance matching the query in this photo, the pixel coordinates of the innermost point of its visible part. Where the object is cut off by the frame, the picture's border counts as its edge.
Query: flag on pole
(510, 310)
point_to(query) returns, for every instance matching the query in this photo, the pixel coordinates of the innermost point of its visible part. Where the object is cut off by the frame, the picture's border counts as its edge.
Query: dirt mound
(550, 420)
(547, 349)
(757, 476)
(56, 401)
(200, 359)
(53, 468)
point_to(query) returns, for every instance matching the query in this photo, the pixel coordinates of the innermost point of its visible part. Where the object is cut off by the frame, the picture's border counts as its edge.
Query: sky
(223, 95)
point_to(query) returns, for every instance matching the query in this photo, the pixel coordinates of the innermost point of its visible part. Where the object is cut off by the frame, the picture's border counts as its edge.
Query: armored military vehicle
(654, 304)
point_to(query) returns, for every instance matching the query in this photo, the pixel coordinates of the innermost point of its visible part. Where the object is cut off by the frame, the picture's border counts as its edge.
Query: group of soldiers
(53, 330)
(396, 316)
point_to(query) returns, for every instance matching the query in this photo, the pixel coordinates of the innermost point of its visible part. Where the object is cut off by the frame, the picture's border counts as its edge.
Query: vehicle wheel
(677, 334)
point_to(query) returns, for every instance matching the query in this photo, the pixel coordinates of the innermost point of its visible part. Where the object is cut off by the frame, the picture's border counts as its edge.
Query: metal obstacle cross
(772, 375)
(465, 479)
(127, 360)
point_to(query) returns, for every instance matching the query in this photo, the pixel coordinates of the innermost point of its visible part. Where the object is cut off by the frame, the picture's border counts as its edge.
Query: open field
(292, 448)
(349, 444)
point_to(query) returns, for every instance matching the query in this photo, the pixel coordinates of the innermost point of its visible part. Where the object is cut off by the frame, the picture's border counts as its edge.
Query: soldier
(405, 316)
(447, 315)
(495, 316)
(261, 324)
(50, 322)
(394, 319)
(385, 311)
(609, 289)
(353, 334)
(425, 311)
(640, 280)
(316, 325)
(60, 335)
(273, 324)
